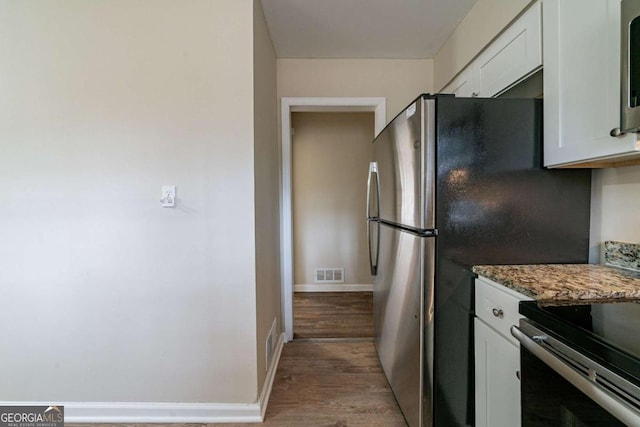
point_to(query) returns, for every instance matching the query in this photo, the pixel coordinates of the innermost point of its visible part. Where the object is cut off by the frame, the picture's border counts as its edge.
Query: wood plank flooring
(331, 384)
(333, 315)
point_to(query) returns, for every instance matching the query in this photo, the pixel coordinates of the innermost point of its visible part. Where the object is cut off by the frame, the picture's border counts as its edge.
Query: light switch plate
(168, 196)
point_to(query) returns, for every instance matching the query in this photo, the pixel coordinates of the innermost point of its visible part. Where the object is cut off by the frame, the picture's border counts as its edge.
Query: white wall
(266, 181)
(615, 206)
(331, 154)
(398, 80)
(106, 295)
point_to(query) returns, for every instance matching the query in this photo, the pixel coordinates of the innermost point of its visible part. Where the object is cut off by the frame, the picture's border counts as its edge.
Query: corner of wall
(267, 189)
(595, 233)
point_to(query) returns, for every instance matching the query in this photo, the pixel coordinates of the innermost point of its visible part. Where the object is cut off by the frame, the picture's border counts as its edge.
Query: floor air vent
(329, 275)
(269, 344)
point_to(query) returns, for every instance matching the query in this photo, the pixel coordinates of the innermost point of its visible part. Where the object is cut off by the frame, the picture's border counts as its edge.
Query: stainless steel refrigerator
(457, 182)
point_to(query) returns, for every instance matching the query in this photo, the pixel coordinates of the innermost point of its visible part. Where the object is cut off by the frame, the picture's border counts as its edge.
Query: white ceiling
(362, 28)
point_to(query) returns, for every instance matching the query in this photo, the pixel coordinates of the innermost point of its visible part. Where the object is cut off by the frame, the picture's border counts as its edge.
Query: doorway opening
(297, 105)
(332, 280)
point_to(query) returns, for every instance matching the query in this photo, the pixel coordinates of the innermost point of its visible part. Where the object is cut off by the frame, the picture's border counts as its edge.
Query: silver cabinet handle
(616, 132)
(498, 312)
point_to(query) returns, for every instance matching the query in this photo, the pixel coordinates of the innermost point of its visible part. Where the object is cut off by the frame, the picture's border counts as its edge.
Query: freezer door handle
(373, 172)
(373, 240)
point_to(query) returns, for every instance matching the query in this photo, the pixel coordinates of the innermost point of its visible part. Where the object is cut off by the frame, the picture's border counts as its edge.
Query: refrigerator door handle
(373, 257)
(373, 170)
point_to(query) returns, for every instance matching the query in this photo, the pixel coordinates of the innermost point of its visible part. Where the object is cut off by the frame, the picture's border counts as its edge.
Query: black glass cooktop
(609, 333)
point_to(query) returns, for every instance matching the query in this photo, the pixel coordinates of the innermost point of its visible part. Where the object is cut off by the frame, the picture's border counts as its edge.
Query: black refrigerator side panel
(495, 204)
(453, 390)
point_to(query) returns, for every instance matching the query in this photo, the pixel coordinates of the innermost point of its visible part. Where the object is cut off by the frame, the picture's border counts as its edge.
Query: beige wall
(266, 181)
(331, 154)
(399, 81)
(108, 296)
(482, 24)
(615, 207)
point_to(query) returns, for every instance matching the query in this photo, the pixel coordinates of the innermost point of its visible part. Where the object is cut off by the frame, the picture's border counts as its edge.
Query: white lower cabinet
(497, 387)
(497, 355)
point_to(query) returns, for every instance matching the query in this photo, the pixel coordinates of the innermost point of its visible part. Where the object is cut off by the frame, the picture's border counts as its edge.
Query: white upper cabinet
(581, 44)
(511, 57)
(462, 86)
(514, 55)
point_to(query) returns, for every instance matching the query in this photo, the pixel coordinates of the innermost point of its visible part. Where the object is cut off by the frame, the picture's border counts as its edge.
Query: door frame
(292, 105)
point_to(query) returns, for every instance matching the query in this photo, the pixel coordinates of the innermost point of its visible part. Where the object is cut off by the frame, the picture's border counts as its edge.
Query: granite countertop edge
(566, 283)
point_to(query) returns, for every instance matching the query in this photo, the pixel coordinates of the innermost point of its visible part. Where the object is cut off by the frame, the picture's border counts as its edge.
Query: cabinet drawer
(497, 306)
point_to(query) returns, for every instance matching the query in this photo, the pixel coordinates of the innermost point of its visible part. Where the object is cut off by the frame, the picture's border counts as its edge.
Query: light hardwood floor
(331, 384)
(333, 315)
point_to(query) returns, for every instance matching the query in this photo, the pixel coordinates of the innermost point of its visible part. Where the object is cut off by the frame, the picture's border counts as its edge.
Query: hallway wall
(108, 296)
(399, 81)
(331, 154)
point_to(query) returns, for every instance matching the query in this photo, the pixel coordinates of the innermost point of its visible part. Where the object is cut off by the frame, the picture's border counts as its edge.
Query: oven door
(561, 387)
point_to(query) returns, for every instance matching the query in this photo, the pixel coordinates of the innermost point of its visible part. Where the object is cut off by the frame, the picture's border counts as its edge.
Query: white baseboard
(337, 287)
(134, 412)
(97, 412)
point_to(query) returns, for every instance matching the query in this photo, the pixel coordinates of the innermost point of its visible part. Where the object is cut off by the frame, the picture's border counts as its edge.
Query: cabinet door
(581, 45)
(514, 55)
(497, 387)
(462, 86)
(510, 58)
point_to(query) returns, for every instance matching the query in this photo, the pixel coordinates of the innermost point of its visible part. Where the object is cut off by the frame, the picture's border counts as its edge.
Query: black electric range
(592, 358)
(607, 332)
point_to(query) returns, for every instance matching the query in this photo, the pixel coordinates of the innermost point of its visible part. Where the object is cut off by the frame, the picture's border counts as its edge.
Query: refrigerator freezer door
(405, 157)
(403, 323)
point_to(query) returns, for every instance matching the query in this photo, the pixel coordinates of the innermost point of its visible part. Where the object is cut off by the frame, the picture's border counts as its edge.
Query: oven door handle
(616, 407)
